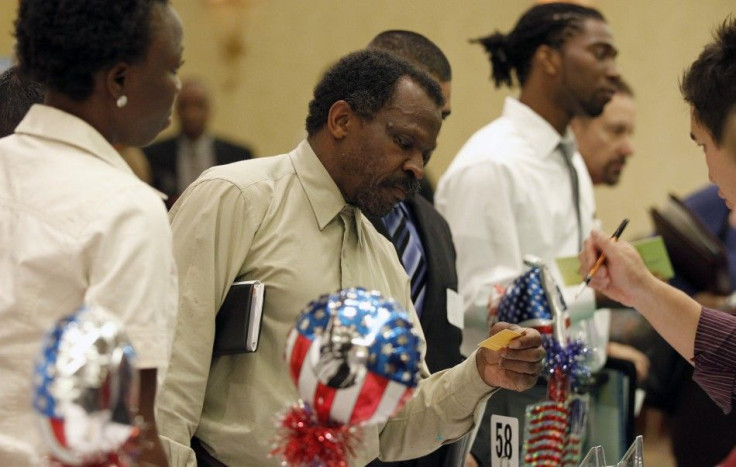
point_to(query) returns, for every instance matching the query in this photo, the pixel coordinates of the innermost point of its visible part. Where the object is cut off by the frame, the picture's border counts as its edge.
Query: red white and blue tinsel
(553, 429)
(354, 357)
(85, 389)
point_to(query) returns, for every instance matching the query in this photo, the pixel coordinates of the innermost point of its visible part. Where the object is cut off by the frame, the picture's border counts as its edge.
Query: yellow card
(500, 340)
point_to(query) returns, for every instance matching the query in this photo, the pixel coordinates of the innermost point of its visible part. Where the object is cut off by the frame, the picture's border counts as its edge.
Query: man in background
(423, 242)
(518, 186)
(423, 53)
(17, 95)
(176, 162)
(605, 141)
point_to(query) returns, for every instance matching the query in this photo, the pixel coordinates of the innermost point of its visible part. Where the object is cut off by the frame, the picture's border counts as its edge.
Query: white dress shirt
(507, 194)
(76, 227)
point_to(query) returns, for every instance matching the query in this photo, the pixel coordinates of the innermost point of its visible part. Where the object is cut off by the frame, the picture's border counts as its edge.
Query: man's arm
(624, 278)
(448, 404)
(703, 336)
(211, 238)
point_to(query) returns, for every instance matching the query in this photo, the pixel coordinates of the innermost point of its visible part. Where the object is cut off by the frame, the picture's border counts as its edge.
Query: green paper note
(651, 249)
(568, 266)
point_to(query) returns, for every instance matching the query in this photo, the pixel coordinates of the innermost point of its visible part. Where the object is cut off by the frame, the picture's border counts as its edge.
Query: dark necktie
(567, 153)
(408, 245)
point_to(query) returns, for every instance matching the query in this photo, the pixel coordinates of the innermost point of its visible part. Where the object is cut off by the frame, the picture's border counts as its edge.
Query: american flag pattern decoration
(525, 303)
(354, 357)
(553, 433)
(545, 431)
(85, 389)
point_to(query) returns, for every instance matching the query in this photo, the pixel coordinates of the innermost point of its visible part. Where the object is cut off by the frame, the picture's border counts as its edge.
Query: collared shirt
(715, 357)
(76, 227)
(507, 194)
(282, 220)
(193, 158)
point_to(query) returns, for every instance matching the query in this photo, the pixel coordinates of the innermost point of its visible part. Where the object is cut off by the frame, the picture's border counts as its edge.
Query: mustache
(410, 185)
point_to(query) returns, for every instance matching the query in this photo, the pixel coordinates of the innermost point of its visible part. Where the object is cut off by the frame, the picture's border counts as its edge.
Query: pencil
(601, 259)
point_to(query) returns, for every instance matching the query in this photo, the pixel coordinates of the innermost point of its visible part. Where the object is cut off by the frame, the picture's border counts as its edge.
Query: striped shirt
(715, 357)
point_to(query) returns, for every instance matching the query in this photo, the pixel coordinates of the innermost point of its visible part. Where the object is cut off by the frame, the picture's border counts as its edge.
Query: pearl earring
(122, 101)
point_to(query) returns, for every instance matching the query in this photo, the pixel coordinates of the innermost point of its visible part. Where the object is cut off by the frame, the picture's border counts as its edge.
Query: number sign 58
(504, 441)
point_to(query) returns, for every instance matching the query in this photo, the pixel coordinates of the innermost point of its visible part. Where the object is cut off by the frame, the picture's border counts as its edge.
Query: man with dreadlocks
(518, 186)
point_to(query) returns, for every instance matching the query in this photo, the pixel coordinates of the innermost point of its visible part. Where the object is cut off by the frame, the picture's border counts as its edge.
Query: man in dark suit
(176, 162)
(432, 268)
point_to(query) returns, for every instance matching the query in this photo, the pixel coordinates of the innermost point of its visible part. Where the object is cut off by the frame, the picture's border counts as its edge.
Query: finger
(601, 279)
(529, 339)
(501, 325)
(522, 366)
(590, 252)
(532, 355)
(598, 236)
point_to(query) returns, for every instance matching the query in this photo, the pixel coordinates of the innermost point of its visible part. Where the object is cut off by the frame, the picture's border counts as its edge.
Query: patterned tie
(567, 152)
(408, 245)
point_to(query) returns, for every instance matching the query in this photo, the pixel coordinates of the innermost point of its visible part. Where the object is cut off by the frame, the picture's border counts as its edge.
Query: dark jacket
(443, 339)
(162, 157)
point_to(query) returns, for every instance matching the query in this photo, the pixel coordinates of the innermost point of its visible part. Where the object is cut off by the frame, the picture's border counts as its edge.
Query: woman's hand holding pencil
(614, 268)
(601, 259)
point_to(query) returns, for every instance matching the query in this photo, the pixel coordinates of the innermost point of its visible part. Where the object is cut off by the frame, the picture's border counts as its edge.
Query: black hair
(17, 95)
(366, 80)
(417, 49)
(545, 24)
(63, 43)
(709, 84)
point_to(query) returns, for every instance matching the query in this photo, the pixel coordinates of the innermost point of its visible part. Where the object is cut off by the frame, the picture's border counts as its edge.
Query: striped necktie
(404, 235)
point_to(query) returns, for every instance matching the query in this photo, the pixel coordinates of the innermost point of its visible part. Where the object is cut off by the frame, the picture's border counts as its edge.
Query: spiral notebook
(238, 322)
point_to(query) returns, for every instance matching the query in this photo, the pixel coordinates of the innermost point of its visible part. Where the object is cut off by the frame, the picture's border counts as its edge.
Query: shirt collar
(534, 129)
(50, 123)
(324, 196)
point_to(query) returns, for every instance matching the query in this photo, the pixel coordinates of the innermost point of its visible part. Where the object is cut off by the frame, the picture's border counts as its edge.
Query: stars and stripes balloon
(354, 358)
(85, 389)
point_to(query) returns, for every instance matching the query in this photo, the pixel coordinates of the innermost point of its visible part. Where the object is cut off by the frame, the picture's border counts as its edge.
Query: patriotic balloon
(86, 389)
(354, 358)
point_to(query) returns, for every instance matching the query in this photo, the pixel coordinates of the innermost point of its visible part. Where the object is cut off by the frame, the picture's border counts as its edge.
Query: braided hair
(545, 24)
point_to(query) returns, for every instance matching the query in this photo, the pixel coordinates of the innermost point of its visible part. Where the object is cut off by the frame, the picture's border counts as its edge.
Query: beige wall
(262, 97)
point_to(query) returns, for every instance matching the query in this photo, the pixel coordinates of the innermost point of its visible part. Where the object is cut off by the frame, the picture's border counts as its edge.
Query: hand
(515, 367)
(623, 276)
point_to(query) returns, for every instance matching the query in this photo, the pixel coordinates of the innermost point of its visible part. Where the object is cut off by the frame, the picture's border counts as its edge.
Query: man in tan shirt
(296, 222)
